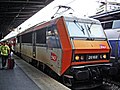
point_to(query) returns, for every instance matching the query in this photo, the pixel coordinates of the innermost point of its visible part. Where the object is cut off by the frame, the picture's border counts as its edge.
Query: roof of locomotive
(66, 18)
(82, 20)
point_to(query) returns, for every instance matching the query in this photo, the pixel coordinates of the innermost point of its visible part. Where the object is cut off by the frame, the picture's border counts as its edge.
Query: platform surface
(26, 77)
(16, 79)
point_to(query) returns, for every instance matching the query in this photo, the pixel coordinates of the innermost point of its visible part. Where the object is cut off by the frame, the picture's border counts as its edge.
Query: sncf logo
(53, 56)
(103, 46)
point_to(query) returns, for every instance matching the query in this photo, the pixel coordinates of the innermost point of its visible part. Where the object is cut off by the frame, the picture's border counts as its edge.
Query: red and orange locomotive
(75, 49)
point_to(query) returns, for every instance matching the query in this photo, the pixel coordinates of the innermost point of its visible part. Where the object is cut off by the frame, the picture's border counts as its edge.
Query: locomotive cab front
(85, 51)
(76, 49)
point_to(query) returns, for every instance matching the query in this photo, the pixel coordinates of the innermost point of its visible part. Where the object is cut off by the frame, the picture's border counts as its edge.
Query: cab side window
(52, 37)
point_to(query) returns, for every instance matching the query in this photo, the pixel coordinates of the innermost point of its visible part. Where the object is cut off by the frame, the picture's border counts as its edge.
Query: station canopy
(15, 12)
(107, 16)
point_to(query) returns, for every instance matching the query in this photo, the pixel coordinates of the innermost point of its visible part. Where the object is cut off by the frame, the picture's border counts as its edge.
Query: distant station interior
(64, 53)
(12, 14)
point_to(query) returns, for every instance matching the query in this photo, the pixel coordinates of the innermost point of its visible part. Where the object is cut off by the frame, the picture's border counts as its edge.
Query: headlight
(77, 58)
(104, 56)
(101, 56)
(81, 57)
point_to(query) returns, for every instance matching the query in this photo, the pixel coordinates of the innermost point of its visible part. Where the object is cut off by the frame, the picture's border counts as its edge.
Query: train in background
(112, 30)
(73, 49)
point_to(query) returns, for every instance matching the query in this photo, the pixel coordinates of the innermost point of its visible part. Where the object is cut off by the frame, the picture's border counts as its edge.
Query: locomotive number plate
(94, 57)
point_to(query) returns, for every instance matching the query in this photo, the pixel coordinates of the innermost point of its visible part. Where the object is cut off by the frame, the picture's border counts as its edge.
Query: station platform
(26, 77)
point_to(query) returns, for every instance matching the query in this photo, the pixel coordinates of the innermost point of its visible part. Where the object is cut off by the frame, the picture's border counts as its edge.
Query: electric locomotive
(76, 49)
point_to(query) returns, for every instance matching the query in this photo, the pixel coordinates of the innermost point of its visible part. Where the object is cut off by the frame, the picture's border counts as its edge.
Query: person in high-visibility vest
(5, 51)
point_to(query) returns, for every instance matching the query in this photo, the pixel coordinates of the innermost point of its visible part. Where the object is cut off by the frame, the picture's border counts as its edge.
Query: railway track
(108, 85)
(113, 85)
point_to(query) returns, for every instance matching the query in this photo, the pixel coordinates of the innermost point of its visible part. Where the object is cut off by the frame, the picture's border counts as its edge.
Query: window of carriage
(116, 24)
(107, 25)
(18, 39)
(41, 36)
(52, 37)
(27, 38)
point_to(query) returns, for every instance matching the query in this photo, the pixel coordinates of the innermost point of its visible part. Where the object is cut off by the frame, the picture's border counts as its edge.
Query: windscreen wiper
(89, 27)
(79, 26)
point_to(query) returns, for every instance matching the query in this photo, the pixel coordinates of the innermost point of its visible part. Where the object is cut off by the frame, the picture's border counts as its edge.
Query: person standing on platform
(5, 51)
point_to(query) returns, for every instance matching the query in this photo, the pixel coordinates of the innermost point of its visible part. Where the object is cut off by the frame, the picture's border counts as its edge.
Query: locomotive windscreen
(87, 30)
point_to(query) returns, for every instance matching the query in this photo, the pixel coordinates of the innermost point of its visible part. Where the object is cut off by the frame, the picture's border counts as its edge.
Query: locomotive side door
(34, 43)
(53, 49)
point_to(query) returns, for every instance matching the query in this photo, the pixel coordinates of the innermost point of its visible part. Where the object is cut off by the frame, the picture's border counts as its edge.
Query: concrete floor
(26, 77)
(16, 79)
